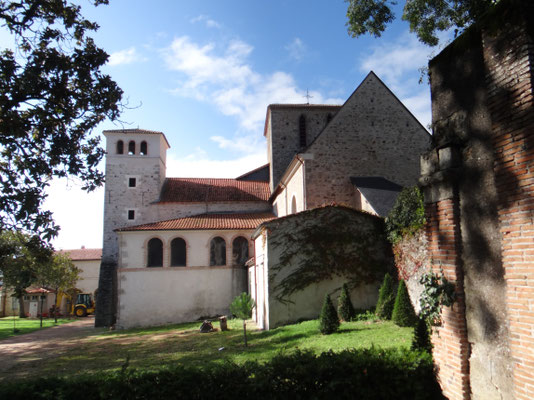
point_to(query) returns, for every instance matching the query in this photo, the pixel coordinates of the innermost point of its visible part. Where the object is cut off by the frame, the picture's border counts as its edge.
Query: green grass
(152, 348)
(26, 325)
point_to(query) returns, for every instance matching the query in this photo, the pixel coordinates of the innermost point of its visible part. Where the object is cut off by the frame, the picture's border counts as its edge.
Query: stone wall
(479, 187)
(372, 135)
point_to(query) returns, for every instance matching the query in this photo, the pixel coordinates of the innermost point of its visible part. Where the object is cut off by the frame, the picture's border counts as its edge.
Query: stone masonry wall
(478, 188)
(372, 135)
(283, 135)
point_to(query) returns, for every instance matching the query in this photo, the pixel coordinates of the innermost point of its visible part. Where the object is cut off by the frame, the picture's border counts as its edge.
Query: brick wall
(479, 189)
(510, 81)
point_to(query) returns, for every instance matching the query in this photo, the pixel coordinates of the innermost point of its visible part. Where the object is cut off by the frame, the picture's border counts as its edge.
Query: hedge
(362, 374)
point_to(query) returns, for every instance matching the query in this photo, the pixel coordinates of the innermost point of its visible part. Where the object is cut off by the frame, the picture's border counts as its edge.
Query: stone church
(180, 249)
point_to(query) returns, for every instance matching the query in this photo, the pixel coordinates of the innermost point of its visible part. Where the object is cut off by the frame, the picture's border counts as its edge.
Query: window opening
(144, 148)
(155, 253)
(239, 251)
(302, 130)
(131, 214)
(294, 205)
(328, 118)
(217, 251)
(120, 147)
(131, 148)
(178, 253)
(132, 182)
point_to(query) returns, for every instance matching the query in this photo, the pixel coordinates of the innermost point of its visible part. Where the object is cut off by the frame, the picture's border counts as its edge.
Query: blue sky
(203, 72)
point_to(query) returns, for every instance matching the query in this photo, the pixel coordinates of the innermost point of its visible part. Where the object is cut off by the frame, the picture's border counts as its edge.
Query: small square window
(132, 182)
(131, 214)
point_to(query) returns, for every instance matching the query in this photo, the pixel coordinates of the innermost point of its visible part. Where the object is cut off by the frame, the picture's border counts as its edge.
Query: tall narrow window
(302, 130)
(144, 149)
(120, 147)
(217, 251)
(178, 255)
(155, 253)
(294, 205)
(329, 118)
(239, 251)
(131, 147)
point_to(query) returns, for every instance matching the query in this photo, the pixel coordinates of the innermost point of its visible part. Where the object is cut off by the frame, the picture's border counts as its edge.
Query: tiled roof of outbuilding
(206, 222)
(82, 254)
(186, 190)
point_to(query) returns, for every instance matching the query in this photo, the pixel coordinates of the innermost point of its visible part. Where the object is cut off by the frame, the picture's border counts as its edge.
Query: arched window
(120, 147)
(178, 255)
(131, 147)
(155, 253)
(294, 205)
(302, 130)
(144, 149)
(239, 251)
(217, 251)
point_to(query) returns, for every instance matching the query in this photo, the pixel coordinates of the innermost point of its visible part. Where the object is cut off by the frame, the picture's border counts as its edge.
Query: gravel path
(45, 342)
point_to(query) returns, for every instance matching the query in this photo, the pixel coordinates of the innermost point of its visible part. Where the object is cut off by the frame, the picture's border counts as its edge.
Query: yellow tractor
(84, 305)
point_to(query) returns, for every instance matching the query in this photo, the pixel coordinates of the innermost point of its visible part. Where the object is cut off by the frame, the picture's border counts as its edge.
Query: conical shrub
(421, 336)
(386, 298)
(328, 320)
(403, 313)
(345, 309)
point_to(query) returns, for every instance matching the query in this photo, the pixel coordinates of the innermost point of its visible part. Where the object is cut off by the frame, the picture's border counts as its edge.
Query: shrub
(407, 215)
(386, 298)
(403, 313)
(421, 336)
(370, 374)
(345, 308)
(328, 320)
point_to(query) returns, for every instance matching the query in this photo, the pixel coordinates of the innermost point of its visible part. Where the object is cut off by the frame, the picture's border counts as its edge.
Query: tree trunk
(245, 332)
(41, 313)
(55, 307)
(22, 314)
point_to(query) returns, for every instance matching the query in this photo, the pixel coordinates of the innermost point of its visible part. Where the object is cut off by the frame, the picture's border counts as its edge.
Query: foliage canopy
(52, 95)
(407, 215)
(426, 18)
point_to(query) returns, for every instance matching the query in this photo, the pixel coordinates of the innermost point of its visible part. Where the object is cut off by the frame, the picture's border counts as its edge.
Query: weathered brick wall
(372, 135)
(479, 188)
(509, 57)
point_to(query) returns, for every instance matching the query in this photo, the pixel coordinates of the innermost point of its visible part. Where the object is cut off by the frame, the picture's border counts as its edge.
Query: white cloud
(127, 56)
(296, 49)
(224, 78)
(419, 105)
(210, 23)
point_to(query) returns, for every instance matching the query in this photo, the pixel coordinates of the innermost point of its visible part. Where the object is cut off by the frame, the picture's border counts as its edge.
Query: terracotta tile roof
(185, 190)
(82, 254)
(35, 290)
(206, 222)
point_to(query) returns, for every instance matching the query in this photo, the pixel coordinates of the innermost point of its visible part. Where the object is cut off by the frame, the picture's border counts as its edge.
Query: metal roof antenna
(308, 96)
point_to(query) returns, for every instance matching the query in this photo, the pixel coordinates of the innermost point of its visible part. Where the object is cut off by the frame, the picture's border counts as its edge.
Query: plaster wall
(156, 296)
(293, 188)
(259, 284)
(90, 269)
(133, 252)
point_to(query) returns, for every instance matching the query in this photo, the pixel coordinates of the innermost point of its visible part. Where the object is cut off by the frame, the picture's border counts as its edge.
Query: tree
(242, 307)
(403, 312)
(20, 256)
(59, 274)
(52, 95)
(386, 298)
(328, 319)
(421, 336)
(426, 18)
(345, 308)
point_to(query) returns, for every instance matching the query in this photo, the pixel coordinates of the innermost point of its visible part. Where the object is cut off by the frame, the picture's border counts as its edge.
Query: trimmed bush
(386, 298)
(371, 374)
(403, 313)
(328, 320)
(345, 309)
(421, 336)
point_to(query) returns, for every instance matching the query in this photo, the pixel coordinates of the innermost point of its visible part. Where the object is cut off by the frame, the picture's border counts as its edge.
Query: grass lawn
(26, 325)
(152, 348)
